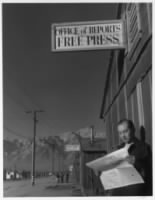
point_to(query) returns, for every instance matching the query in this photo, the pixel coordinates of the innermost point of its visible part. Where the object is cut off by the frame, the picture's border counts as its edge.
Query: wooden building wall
(128, 92)
(90, 183)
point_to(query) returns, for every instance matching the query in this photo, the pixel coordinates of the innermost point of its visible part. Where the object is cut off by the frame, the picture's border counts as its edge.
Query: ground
(44, 187)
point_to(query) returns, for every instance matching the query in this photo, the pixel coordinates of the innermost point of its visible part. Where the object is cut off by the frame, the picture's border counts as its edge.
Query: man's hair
(130, 124)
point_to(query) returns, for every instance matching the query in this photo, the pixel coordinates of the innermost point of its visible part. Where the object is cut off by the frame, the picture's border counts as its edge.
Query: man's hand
(127, 146)
(131, 159)
(97, 173)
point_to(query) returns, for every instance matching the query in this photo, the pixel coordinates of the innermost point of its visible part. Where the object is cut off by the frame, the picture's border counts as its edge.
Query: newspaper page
(116, 172)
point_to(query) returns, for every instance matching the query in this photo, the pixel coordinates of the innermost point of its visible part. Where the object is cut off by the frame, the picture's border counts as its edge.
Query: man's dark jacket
(143, 163)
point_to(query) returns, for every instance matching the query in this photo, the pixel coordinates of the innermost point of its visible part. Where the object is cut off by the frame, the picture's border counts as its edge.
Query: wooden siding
(147, 106)
(144, 63)
(129, 84)
(91, 184)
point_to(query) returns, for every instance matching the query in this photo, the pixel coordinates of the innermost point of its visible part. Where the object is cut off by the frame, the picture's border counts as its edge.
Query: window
(133, 25)
(149, 11)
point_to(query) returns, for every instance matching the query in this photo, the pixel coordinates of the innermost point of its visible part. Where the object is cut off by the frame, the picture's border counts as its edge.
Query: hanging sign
(88, 35)
(72, 147)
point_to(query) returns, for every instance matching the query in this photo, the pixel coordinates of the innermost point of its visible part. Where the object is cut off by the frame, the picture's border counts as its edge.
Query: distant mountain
(17, 153)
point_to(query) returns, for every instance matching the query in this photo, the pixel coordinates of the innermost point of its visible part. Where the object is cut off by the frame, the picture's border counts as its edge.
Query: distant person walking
(58, 176)
(62, 177)
(67, 176)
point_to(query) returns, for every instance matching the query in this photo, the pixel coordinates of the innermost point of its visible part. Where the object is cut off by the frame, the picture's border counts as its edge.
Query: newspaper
(116, 171)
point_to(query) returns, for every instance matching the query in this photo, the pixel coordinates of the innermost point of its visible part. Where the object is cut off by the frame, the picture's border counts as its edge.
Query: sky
(68, 86)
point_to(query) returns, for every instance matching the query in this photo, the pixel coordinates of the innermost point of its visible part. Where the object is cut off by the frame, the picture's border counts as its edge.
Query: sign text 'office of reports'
(88, 35)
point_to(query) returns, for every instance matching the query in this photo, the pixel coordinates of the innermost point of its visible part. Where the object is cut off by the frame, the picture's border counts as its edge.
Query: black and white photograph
(77, 99)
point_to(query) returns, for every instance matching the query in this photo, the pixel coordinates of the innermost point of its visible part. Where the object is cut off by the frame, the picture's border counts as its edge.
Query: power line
(26, 108)
(15, 133)
(24, 92)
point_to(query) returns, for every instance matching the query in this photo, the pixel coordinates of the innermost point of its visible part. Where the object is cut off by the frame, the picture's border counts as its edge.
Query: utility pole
(53, 158)
(34, 142)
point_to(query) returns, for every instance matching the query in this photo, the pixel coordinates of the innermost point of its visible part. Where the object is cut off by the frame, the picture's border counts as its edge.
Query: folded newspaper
(116, 171)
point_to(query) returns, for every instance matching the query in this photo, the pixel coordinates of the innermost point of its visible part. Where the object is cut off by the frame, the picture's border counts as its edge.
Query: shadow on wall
(142, 133)
(148, 163)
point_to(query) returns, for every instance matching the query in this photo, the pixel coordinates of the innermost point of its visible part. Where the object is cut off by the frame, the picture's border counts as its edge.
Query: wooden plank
(135, 110)
(147, 106)
(142, 66)
(122, 104)
(114, 122)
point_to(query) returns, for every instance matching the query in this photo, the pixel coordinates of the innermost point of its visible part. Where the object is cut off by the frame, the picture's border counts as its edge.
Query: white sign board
(71, 168)
(72, 147)
(88, 35)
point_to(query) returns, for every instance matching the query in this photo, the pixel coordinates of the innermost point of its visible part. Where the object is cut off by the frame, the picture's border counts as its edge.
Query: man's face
(124, 132)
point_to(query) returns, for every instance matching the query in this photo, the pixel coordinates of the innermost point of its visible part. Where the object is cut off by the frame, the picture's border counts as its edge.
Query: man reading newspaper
(127, 171)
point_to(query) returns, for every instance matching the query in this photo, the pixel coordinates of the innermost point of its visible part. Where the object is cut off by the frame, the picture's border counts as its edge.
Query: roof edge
(109, 68)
